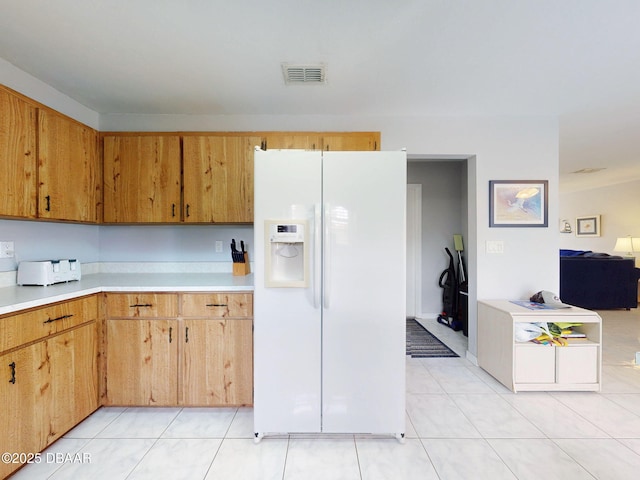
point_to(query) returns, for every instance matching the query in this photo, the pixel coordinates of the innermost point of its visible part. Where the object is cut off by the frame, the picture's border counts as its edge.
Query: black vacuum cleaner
(448, 281)
(454, 284)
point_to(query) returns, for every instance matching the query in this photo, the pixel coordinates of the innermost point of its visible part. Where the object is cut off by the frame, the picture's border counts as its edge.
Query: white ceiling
(578, 60)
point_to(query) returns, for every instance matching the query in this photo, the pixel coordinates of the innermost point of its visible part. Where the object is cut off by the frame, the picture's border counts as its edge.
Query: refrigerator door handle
(326, 258)
(317, 255)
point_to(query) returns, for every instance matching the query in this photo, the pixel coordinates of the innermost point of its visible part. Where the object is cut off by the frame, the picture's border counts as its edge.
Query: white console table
(534, 367)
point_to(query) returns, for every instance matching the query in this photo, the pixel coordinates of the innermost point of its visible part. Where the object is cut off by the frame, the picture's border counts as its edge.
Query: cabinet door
(68, 169)
(25, 391)
(74, 379)
(535, 363)
(293, 140)
(142, 358)
(218, 178)
(142, 179)
(218, 362)
(577, 364)
(354, 141)
(17, 156)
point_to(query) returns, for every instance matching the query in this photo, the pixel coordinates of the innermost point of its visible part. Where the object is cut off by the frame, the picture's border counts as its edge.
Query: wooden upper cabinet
(293, 140)
(68, 169)
(218, 178)
(351, 141)
(141, 179)
(17, 156)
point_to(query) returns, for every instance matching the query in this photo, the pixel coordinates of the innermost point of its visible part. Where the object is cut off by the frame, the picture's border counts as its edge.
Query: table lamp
(627, 244)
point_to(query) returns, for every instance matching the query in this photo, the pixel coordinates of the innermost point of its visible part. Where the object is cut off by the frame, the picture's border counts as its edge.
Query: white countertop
(16, 298)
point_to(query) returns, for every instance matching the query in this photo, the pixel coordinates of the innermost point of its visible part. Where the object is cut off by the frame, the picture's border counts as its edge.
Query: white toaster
(48, 272)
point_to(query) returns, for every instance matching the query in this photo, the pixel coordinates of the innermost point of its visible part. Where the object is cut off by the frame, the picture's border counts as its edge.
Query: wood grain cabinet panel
(293, 140)
(142, 362)
(218, 362)
(74, 379)
(217, 305)
(22, 328)
(17, 156)
(24, 389)
(351, 141)
(143, 304)
(218, 178)
(69, 178)
(142, 179)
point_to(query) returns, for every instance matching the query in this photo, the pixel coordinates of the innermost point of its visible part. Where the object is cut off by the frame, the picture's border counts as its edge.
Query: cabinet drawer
(535, 364)
(16, 330)
(577, 364)
(142, 305)
(217, 305)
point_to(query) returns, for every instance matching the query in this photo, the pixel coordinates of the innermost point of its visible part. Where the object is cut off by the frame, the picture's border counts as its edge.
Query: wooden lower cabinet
(142, 362)
(201, 357)
(23, 389)
(218, 362)
(47, 388)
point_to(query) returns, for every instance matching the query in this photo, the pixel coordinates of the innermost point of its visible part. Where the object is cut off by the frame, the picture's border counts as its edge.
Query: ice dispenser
(287, 253)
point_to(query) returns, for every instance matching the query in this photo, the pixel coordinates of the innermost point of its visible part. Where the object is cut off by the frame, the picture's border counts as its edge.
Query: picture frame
(518, 203)
(588, 226)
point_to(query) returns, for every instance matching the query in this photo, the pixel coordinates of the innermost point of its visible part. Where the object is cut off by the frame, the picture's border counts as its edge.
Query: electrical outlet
(6, 249)
(495, 246)
(218, 246)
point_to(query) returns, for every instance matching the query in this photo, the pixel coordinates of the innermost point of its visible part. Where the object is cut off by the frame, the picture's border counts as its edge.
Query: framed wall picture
(518, 203)
(588, 226)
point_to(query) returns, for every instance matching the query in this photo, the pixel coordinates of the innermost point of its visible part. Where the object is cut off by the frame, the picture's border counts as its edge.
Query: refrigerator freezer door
(287, 325)
(363, 375)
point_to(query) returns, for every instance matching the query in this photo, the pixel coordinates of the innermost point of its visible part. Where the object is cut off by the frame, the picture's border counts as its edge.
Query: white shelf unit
(533, 367)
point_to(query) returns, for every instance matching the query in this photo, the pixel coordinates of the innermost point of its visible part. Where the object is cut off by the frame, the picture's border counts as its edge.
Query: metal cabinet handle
(173, 209)
(48, 199)
(186, 335)
(188, 214)
(216, 305)
(170, 334)
(137, 305)
(12, 365)
(51, 320)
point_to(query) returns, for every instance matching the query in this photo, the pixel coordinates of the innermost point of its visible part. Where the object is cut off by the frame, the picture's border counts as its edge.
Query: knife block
(240, 269)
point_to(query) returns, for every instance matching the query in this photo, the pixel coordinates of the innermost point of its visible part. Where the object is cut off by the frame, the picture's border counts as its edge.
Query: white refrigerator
(330, 292)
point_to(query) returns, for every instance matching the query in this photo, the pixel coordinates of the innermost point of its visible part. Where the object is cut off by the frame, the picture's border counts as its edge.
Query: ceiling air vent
(296, 74)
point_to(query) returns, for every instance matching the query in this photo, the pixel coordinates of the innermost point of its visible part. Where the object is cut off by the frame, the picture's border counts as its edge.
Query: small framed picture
(518, 203)
(588, 226)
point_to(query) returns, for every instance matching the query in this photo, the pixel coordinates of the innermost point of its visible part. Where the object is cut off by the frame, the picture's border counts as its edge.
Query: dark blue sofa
(598, 281)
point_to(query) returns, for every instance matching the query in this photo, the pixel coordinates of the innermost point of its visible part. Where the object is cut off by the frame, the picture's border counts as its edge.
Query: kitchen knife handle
(51, 320)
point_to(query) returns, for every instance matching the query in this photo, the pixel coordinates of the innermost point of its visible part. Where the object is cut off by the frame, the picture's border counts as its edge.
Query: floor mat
(422, 344)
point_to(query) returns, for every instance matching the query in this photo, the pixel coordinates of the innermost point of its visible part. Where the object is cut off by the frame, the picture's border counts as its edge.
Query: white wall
(619, 210)
(163, 243)
(33, 88)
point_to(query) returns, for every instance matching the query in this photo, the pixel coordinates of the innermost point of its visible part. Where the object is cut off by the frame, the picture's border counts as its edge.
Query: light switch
(495, 246)
(218, 246)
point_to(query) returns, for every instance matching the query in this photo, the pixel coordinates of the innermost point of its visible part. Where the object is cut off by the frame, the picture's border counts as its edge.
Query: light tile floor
(461, 424)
